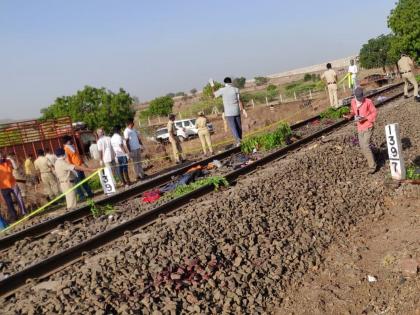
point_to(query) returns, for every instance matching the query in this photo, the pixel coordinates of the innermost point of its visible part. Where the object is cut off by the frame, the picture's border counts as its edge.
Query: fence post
(310, 94)
(266, 101)
(253, 103)
(294, 93)
(148, 119)
(281, 99)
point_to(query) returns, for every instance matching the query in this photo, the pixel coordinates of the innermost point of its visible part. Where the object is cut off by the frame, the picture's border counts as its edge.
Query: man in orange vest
(74, 158)
(8, 188)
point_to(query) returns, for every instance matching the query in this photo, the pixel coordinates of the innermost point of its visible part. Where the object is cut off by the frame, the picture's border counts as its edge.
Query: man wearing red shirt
(364, 112)
(8, 188)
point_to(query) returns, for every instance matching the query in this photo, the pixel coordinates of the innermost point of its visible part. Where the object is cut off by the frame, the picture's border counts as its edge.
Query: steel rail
(70, 255)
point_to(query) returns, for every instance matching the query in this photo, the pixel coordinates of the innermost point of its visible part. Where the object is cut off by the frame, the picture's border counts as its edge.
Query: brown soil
(380, 249)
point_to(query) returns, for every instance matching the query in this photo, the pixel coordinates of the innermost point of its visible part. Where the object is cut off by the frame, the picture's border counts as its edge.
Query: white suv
(185, 129)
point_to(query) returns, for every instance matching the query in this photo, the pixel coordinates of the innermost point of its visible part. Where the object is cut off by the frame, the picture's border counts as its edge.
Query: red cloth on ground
(151, 196)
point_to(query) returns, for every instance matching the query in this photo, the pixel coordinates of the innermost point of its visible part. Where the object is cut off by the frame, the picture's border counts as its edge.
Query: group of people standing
(59, 172)
(232, 114)
(362, 109)
(405, 67)
(115, 152)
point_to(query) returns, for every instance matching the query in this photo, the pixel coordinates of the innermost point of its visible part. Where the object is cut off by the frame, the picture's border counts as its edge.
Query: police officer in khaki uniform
(45, 168)
(203, 133)
(173, 139)
(66, 176)
(406, 66)
(330, 78)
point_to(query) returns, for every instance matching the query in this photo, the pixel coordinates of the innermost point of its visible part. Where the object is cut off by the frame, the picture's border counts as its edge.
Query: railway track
(70, 255)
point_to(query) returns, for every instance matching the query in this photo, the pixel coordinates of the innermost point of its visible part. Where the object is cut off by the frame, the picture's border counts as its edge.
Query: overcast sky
(50, 48)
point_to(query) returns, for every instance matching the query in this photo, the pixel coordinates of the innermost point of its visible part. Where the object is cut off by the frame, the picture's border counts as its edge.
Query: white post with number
(396, 160)
(107, 181)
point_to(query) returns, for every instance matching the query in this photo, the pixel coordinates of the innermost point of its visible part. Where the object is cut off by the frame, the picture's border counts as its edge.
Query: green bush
(260, 80)
(299, 87)
(267, 141)
(207, 90)
(95, 183)
(307, 77)
(332, 113)
(412, 172)
(205, 105)
(239, 82)
(272, 92)
(258, 96)
(161, 106)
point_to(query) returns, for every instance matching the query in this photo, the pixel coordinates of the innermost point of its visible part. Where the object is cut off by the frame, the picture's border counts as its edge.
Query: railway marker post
(396, 161)
(107, 181)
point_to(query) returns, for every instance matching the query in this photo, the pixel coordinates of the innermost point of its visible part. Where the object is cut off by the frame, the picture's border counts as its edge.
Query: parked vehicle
(185, 129)
(26, 137)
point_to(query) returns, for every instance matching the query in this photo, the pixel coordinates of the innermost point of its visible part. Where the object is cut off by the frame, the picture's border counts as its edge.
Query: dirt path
(387, 249)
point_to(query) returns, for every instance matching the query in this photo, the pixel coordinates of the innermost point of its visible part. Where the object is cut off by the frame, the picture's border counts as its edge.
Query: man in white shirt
(134, 145)
(352, 74)
(106, 152)
(233, 107)
(121, 155)
(94, 152)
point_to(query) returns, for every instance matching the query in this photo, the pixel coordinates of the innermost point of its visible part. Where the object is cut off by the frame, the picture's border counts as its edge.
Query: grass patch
(205, 105)
(181, 190)
(95, 183)
(267, 141)
(257, 96)
(412, 172)
(98, 211)
(332, 113)
(302, 86)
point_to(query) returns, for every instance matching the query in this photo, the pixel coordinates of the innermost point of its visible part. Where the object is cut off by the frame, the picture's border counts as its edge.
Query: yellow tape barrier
(39, 210)
(345, 77)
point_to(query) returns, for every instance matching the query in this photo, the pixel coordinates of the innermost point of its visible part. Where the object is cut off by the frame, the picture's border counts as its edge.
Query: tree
(207, 90)
(260, 80)
(161, 106)
(180, 94)
(376, 53)
(404, 21)
(239, 82)
(193, 91)
(170, 94)
(98, 108)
